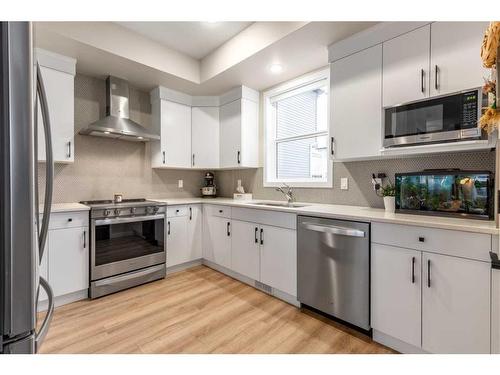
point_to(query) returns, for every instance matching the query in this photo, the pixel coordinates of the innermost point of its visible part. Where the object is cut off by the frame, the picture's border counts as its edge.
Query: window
(296, 133)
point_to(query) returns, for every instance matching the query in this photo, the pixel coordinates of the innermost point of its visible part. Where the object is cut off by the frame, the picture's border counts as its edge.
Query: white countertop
(66, 207)
(352, 213)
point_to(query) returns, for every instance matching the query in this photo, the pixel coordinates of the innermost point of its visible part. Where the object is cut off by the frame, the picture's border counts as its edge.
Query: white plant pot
(390, 204)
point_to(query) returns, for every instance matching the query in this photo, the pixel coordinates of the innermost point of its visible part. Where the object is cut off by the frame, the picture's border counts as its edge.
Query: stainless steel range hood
(117, 123)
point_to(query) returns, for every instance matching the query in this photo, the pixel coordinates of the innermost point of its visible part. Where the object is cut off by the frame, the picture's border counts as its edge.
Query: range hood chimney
(117, 123)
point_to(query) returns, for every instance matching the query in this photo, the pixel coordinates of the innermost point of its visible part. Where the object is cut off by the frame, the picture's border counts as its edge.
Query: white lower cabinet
(426, 301)
(217, 240)
(177, 251)
(396, 292)
(278, 258)
(245, 254)
(194, 232)
(265, 253)
(455, 305)
(184, 234)
(68, 260)
(257, 244)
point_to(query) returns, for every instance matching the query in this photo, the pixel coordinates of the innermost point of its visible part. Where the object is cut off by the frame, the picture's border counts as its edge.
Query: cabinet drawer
(268, 217)
(61, 220)
(441, 241)
(174, 211)
(216, 210)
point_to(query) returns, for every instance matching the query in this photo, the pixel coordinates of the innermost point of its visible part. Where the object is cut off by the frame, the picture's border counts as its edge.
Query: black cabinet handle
(332, 146)
(256, 230)
(220, 211)
(239, 157)
(70, 219)
(176, 211)
(168, 228)
(421, 239)
(190, 213)
(436, 77)
(428, 273)
(84, 239)
(228, 229)
(261, 236)
(163, 157)
(193, 160)
(69, 149)
(422, 76)
(413, 270)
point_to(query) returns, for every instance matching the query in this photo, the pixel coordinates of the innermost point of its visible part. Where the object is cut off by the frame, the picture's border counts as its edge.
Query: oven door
(126, 244)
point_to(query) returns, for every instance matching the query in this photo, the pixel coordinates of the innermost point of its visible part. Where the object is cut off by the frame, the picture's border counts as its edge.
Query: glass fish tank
(446, 193)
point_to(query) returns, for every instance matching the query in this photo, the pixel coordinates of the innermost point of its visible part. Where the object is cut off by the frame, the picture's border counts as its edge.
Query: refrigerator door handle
(49, 167)
(44, 328)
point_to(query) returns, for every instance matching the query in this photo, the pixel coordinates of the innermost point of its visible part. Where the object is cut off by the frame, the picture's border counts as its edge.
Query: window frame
(270, 142)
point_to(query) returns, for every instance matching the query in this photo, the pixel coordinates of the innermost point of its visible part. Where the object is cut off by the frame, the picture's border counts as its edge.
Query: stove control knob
(117, 212)
(155, 209)
(149, 210)
(132, 210)
(107, 212)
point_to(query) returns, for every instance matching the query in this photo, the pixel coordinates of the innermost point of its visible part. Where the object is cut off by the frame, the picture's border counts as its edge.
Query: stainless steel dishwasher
(333, 266)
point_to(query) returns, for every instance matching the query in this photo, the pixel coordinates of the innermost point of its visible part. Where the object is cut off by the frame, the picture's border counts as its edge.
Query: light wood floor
(197, 311)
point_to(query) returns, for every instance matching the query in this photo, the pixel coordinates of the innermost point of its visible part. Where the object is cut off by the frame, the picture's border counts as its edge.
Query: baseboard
(253, 283)
(183, 266)
(396, 344)
(65, 299)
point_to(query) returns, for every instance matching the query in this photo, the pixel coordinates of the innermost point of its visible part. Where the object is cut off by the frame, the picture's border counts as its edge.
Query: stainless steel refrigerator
(23, 231)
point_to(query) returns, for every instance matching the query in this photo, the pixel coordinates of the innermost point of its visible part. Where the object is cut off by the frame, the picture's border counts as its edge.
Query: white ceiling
(195, 39)
(301, 50)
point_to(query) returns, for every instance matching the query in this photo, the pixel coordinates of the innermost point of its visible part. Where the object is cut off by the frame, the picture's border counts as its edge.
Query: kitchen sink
(280, 204)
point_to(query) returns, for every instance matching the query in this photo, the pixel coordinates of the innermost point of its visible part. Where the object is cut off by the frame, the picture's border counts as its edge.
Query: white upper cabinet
(173, 122)
(205, 137)
(455, 60)
(239, 129)
(406, 67)
(205, 132)
(58, 73)
(455, 305)
(356, 79)
(230, 134)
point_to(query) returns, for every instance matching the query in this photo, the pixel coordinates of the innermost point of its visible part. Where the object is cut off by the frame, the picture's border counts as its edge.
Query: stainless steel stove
(127, 244)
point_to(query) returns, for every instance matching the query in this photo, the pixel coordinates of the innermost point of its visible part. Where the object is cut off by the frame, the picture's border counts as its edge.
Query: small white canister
(118, 198)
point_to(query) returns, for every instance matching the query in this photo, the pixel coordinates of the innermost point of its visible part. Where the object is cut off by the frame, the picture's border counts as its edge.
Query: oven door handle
(127, 219)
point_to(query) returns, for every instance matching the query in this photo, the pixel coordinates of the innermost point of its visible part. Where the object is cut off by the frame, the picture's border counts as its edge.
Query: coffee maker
(209, 190)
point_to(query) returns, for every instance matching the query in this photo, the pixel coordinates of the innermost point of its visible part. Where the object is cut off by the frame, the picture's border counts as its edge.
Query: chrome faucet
(288, 193)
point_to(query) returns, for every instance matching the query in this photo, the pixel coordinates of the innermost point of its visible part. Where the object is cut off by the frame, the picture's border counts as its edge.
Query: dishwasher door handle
(350, 232)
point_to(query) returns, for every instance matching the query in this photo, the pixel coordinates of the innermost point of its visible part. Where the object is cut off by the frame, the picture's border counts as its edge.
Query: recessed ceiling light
(106, 132)
(276, 68)
(140, 138)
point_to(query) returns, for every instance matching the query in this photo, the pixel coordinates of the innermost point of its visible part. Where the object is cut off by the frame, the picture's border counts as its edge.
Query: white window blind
(297, 132)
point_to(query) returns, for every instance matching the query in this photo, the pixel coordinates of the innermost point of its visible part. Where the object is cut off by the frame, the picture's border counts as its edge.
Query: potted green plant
(388, 192)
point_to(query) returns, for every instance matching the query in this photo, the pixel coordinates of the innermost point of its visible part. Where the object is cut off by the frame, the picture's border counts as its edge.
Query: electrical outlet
(344, 183)
(376, 182)
(181, 184)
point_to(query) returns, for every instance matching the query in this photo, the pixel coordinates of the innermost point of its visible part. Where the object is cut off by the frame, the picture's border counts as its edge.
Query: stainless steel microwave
(448, 118)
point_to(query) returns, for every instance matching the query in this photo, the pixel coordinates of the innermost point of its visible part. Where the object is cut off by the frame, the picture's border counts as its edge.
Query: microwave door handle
(49, 168)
